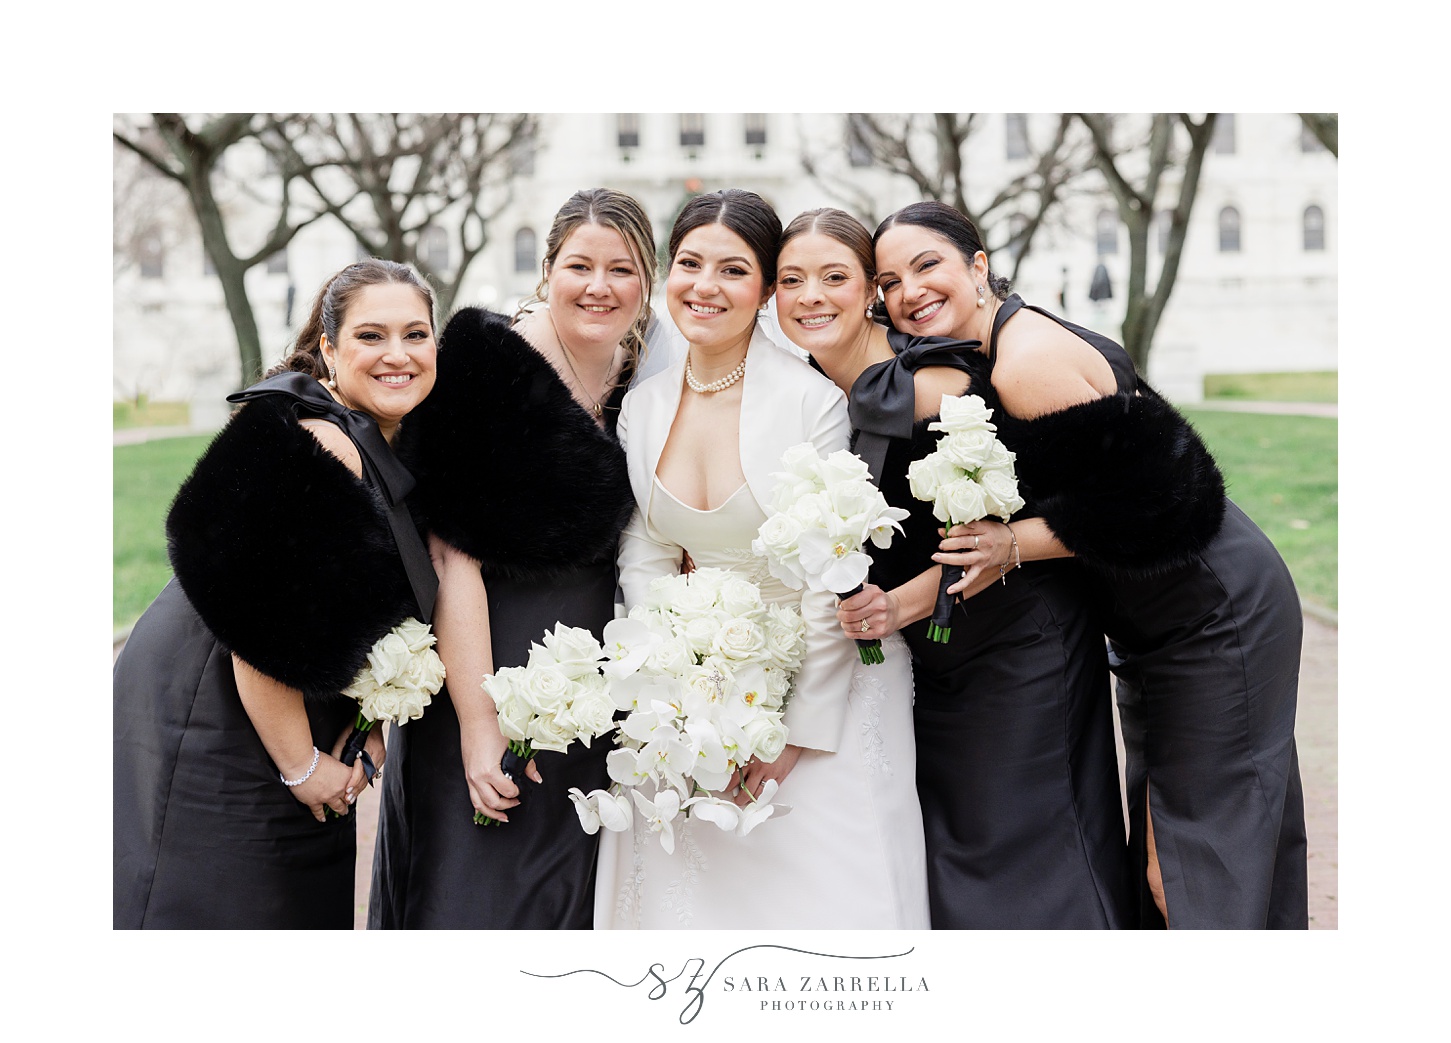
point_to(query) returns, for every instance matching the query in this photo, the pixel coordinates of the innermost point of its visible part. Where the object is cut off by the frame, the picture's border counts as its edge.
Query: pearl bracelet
(289, 783)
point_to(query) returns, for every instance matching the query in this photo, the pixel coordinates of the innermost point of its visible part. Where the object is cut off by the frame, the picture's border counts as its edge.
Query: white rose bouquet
(559, 696)
(703, 672)
(968, 476)
(402, 675)
(822, 513)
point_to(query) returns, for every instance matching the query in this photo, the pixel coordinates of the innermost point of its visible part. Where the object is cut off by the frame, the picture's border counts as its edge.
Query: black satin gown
(1207, 656)
(433, 867)
(514, 473)
(205, 834)
(1016, 768)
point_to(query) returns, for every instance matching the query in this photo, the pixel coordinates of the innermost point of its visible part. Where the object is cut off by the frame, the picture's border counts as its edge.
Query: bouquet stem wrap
(939, 628)
(870, 648)
(516, 758)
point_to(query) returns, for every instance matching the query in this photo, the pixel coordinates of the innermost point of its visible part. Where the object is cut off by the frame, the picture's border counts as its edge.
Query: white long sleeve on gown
(850, 854)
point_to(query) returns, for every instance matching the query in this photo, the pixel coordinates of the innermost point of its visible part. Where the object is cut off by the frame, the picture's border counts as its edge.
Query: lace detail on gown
(868, 693)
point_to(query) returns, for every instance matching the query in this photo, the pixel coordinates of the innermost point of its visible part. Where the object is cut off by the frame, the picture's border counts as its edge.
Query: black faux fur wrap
(285, 554)
(510, 469)
(1124, 482)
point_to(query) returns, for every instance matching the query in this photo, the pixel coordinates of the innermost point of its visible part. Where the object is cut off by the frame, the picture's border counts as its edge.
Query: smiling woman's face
(822, 293)
(385, 360)
(715, 287)
(929, 289)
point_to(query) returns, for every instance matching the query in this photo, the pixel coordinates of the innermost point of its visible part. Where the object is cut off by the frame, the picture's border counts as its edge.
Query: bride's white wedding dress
(850, 853)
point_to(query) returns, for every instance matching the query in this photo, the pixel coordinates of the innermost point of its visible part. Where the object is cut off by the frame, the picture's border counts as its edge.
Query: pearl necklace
(715, 385)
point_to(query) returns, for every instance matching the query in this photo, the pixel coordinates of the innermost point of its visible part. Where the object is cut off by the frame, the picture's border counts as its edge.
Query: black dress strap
(1125, 376)
(381, 467)
(883, 400)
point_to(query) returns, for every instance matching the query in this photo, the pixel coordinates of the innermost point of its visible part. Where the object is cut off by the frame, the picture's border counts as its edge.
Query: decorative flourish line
(695, 991)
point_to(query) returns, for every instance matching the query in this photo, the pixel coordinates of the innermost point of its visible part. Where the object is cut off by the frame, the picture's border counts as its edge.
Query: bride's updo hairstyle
(845, 229)
(744, 213)
(952, 226)
(332, 303)
(619, 213)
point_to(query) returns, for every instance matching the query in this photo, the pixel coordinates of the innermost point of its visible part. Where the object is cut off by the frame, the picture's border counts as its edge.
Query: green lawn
(1282, 471)
(1274, 387)
(146, 477)
(149, 414)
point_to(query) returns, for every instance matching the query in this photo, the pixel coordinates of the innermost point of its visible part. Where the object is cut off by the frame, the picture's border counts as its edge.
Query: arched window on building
(1314, 228)
(525, 250)
(433, 251)
(151, 254)
(1107, 232)
(1015, 135)
(1229, 230)
(1223, 141)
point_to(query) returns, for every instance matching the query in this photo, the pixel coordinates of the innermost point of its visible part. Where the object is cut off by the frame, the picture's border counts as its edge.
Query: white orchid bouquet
(703, 671)
(821, 516)
(402, 675)
(558, 697)
(969, 476)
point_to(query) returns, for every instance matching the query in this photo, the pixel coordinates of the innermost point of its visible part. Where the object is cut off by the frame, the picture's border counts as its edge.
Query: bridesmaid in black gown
(1016, 770)
(524, 490)
(293, 554)
(1202, 615)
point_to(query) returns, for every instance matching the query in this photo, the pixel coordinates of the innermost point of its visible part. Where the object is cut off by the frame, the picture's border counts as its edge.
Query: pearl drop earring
(981, 300)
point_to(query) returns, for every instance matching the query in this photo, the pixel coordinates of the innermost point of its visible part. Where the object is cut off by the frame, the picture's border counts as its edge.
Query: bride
(702, 439)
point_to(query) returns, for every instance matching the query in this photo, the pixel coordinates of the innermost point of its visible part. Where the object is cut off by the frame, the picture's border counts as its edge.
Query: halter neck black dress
(1205, 636)
(1016, 769)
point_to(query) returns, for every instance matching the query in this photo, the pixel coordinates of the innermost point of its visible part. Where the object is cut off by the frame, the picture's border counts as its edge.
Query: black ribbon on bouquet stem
(870, 648)
(513, 765)
(940, 627)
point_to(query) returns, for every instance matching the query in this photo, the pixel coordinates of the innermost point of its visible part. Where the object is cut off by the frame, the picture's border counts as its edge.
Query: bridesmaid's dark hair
(952, 226)
(744, 213)
(332, 303)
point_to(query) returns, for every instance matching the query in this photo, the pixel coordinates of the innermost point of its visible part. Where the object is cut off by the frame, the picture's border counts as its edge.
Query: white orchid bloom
(836, 565)
(660, 815)
(761, 808)
(718, 812)
(628, 643)
(587, 808)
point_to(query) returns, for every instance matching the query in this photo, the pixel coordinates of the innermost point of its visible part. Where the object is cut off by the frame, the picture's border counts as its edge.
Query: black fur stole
(1124, 482)
(510, 469)
(285, 554)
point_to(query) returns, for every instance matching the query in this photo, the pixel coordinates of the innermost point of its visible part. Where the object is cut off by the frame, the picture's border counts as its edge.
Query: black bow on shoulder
(883, 400)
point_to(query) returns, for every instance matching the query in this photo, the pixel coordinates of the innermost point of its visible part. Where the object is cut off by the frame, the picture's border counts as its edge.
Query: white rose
(767, 736)
(416, 635)
(574, 648)
(964, 502)
(778, 689)
(547, 688)
(1000, 490)
(388, 657)
(550, 732)
(740, 597)
(673, 657)
(963, 413)
(785, 641)
(969, 450)
(777, 536)
(802, 460)
(593, 712)
(739, 639)
(699, 633)
(844, 467)
(927, 475)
